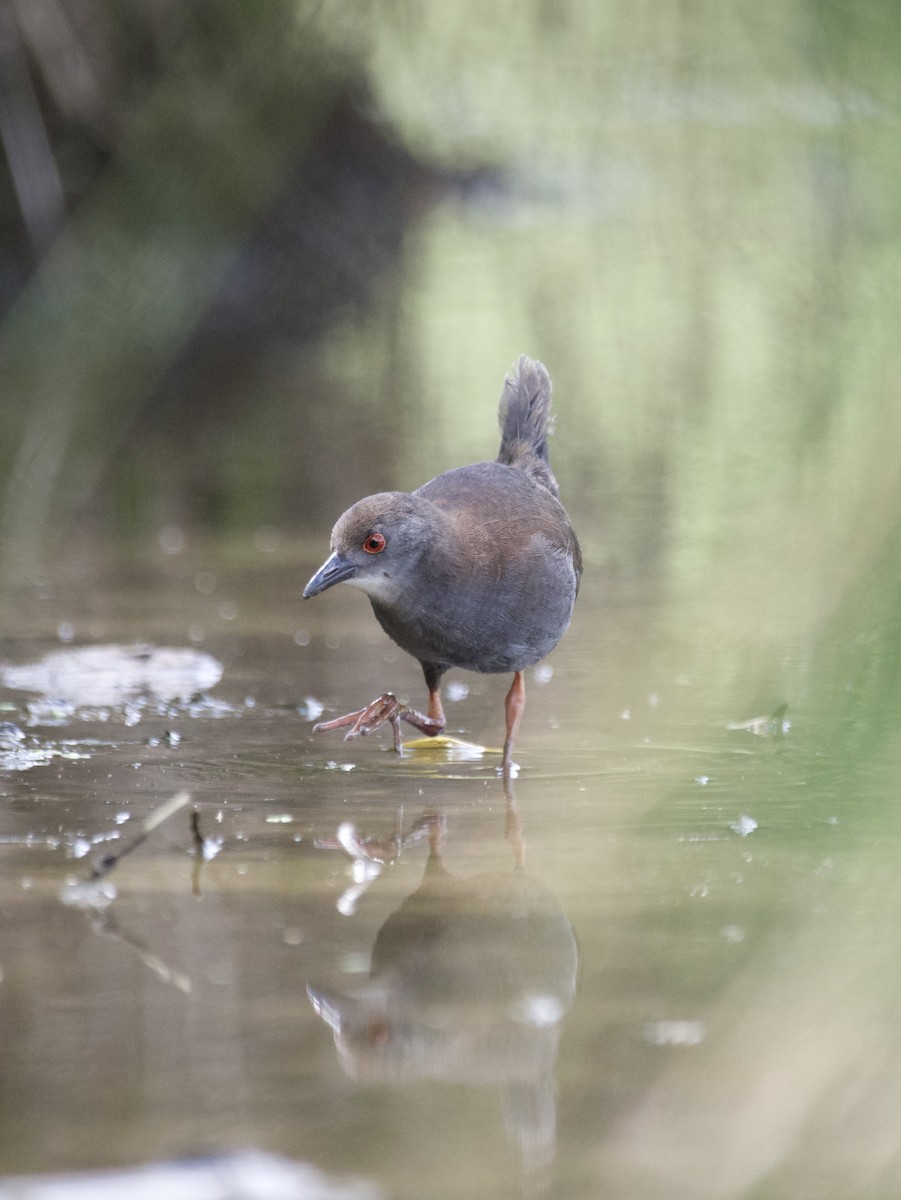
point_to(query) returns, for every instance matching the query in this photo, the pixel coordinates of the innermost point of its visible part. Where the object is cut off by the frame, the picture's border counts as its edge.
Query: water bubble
(674, 1033)
(539, 1010)
(743, 826)
(171, 539)
(355, 963)
(311, 709)
(733, 933)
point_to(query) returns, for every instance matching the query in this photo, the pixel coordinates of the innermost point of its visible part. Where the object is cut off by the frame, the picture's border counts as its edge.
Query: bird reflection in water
(470, 981)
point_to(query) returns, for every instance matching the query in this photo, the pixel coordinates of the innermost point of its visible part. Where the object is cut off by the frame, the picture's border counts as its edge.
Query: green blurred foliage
(691, 215)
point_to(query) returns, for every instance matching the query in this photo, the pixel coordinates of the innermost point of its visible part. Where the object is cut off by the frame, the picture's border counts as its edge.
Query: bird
(478, 569)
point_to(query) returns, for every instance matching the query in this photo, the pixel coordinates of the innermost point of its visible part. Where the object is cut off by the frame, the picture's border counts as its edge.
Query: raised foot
(386, 708)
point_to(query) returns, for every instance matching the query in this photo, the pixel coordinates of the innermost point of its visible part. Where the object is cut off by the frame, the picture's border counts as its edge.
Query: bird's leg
(514, 706)
(434, 723)
(387, 708)
(436, 709)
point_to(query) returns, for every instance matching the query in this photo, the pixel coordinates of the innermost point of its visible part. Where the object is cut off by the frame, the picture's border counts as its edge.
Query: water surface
(700, 1003)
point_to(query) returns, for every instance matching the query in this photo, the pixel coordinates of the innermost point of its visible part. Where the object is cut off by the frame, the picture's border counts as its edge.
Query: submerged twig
(773, 725)
(151, 822)
(205, 848)
(95, 895)
(197, 836)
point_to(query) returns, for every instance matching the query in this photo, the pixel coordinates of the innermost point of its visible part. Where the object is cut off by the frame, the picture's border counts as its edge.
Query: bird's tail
(525, 420)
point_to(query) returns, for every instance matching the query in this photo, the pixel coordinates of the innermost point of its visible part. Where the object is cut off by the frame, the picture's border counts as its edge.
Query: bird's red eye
(374, 544)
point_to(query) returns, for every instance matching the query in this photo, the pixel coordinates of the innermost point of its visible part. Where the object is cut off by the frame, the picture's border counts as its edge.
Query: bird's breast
(494, 618)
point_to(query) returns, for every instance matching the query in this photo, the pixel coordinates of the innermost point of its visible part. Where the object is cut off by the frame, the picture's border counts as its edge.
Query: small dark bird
(477, 569)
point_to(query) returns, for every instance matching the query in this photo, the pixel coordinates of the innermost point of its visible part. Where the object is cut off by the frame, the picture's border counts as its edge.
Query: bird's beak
(332, 571)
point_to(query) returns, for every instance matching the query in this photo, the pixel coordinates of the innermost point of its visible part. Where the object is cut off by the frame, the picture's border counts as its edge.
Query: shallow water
(665, 966)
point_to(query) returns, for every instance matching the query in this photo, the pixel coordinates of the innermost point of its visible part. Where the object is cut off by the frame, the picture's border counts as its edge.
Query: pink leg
(514, 707)
(436, 710)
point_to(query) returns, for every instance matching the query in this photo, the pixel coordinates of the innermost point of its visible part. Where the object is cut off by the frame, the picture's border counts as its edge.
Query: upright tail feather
(525, 420)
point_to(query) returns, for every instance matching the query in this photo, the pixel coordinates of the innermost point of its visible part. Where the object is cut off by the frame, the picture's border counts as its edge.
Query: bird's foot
(386, 708)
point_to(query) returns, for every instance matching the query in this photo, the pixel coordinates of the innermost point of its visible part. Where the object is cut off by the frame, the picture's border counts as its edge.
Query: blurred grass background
(260, 259)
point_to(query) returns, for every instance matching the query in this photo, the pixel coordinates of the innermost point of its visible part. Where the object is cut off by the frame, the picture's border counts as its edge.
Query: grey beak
(332, 571)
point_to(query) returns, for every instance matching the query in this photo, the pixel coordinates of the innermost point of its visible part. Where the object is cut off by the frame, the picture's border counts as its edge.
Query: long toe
(430, 726)
(364, 720)
(386, 709)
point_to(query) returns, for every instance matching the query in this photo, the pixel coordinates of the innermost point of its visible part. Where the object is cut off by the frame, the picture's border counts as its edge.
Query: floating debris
(34, 754)
(453, 748)
(775, 725)
(113, 675)
(170, 738)
(146, 827)
(674, 1033)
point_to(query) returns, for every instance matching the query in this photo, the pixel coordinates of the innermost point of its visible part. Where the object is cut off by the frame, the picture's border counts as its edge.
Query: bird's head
(377, 543)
